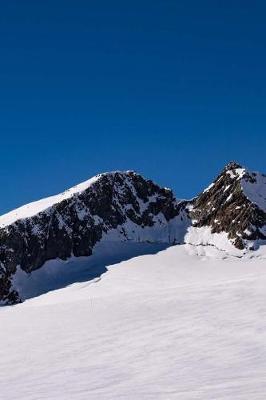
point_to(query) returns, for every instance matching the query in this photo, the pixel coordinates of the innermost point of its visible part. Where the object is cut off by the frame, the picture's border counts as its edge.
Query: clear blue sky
(172, 89)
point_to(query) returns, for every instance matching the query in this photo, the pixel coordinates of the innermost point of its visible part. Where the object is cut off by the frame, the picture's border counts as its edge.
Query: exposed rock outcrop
(236, 204)
(125, 206)
(121, 206)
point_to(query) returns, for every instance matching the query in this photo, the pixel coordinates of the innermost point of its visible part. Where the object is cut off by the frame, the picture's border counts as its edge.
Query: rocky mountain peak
(115, 206)
(125, 206)
(232, 165)
(235, 203)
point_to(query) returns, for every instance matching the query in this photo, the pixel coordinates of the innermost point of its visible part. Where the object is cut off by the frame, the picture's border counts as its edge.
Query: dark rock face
(125, 206)
(225, 207)
(124, 202)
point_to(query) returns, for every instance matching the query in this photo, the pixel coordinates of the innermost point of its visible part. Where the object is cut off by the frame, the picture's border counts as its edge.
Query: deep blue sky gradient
(172, 89)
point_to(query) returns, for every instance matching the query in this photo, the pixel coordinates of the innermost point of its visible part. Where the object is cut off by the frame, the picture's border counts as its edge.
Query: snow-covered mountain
(231, 211)
(123, 206)
(112, 309)
(112, 206)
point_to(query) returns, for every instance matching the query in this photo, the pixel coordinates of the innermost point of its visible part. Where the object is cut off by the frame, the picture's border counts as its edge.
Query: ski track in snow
(166, 326)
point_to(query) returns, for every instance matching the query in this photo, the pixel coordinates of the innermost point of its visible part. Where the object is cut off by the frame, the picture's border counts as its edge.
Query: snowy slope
(124, 206)
(170, 325)
(253, 185)
(255, 190)
(34, 208)
(117, 205)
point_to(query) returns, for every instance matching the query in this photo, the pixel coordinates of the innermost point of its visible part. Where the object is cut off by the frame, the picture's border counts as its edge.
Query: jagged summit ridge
(31, 209)
(124, 206)
(233, 165)
(235, 204)
(112, 206)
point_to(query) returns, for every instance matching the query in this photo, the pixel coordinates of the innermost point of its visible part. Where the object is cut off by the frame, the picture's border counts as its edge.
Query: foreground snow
(169, 325)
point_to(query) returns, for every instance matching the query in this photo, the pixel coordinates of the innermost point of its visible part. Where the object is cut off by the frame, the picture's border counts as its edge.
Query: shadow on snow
(57, 274)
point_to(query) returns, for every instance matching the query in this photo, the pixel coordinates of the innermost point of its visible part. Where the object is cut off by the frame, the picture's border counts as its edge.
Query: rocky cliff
(124, 206)
(235, 203)
(111, 206)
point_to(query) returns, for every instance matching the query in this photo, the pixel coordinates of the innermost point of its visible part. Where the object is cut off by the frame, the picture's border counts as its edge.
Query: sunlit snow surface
(256, 192)
(181, 323)
(31, 209)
